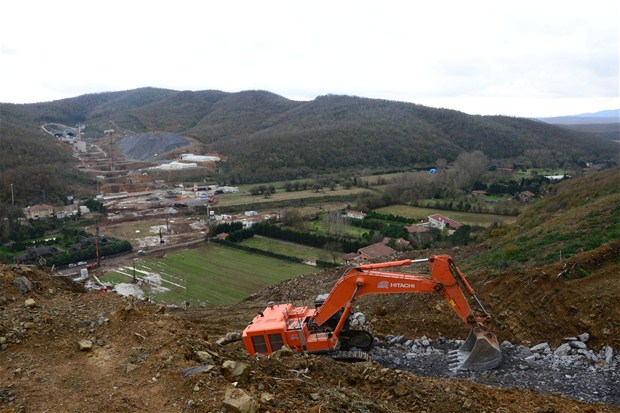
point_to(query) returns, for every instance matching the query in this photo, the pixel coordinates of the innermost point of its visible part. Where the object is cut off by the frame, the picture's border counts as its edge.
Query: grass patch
(280, 196)
(347, 231)
(212, 274)
(468, 218)
(290, 249)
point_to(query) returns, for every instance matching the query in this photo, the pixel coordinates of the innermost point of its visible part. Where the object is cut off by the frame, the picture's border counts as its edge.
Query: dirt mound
(543, 304)
(562, 299)
(66, 350)
(146, 146)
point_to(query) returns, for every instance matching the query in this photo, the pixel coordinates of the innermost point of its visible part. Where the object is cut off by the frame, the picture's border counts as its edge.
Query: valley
(128, 284)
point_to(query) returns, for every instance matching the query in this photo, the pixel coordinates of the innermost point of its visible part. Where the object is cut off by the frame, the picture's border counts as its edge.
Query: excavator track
(360, 339)
(350, 356)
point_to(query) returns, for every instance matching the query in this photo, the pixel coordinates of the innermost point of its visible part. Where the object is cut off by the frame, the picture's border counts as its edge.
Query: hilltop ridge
(266, 137)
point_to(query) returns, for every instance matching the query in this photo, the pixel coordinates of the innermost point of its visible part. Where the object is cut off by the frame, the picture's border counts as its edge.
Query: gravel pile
(144, 146)
(571, 369)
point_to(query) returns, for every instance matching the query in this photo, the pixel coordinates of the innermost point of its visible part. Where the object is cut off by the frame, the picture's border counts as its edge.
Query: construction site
(411, 333)
(65, 349)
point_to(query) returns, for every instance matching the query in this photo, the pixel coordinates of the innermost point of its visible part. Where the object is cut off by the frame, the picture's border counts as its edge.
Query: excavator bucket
(479, 352)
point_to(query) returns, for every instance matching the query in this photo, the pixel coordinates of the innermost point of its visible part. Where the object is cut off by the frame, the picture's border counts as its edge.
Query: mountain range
(266, 137)
(601, 117)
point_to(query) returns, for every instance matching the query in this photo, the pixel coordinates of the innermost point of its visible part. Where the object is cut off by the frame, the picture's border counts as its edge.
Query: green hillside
(37, 165)
(266, 137)
(580, 215)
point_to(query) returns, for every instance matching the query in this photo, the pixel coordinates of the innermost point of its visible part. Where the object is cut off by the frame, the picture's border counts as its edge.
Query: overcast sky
(520, 58)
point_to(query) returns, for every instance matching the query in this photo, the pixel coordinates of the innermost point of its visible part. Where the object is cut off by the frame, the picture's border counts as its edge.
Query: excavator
(327, 328)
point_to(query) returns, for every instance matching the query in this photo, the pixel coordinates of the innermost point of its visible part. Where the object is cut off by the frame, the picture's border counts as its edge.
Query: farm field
(212, 275)
(468, 218)
(281, 195)
(290, 249)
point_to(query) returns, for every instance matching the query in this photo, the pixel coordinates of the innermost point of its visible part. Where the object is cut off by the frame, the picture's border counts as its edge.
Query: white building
(39, 211)
(441, 222)
(199, 158)
(174, 165)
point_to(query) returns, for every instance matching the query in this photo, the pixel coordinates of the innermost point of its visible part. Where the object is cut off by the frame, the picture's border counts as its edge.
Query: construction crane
(97, 263)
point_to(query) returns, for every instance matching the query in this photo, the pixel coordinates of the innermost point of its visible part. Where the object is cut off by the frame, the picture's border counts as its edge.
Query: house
(556, 177)
(415, 228)
(526, 196)
(478, 192)
(34, 253)
(351, 257)
(356, 215)
(39, 211)
(400, 243)
(374, 251)
(87, 242)
(441, 222)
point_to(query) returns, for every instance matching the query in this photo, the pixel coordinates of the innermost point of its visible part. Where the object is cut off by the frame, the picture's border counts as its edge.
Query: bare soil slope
(139, 353)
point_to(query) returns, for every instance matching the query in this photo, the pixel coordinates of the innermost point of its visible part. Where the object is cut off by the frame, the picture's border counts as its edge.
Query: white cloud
(521, 58)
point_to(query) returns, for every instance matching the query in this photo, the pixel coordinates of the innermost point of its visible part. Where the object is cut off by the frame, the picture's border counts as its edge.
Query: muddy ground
(72, 351)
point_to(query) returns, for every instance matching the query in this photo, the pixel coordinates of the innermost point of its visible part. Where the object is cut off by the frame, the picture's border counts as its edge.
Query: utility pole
(12, 196)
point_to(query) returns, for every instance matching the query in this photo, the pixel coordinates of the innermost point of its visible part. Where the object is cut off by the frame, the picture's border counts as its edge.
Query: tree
(94, 205)
(334, 223)
(334, 248)
(441, 164)
(540, 158)
(292, 217)
(469, 168)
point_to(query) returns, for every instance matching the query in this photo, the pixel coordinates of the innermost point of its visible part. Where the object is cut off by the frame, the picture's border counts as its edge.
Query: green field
(290, 249)
(468, 218)
(241, 198)
(346, 230)
(531, 172)
(212, 274)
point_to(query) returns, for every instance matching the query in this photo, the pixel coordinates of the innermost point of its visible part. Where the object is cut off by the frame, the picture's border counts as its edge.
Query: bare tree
(334, 223)
(293, 218)
(335, 250)
(469, 167)
(540, 158)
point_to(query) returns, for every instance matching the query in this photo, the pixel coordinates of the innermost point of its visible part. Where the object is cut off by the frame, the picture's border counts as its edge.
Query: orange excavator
(326, 329)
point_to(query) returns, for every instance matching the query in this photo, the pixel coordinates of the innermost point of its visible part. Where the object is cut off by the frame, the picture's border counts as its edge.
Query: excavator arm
(324, 329)
(371, 279)
(480, 351)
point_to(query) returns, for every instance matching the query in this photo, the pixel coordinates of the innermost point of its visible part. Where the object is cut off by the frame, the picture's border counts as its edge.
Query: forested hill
(266, 136)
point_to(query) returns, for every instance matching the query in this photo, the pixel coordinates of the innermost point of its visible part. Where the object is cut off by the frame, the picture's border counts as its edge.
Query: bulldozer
(327, 328)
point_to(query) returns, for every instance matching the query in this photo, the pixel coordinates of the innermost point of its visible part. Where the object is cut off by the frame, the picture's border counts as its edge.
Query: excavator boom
(325, 328)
